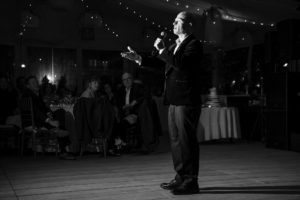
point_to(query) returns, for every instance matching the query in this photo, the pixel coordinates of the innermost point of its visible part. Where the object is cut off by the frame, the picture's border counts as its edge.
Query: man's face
(179, 24)
(33, 85)
(127, 80)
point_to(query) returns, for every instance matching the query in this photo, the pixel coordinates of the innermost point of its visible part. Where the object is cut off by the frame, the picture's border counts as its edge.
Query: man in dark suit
(129, 98)
(130, 95)
(183, 94)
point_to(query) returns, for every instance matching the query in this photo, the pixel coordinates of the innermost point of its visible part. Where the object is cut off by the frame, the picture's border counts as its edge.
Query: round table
(218, 123)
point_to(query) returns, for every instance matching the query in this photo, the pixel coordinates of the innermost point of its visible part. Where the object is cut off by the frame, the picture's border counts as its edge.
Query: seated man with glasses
(129, 98)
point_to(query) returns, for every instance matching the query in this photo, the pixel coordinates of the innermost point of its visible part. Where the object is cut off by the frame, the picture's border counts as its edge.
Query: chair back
(27, 117)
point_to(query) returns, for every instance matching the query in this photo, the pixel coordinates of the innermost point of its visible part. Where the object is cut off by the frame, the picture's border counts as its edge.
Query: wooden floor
(227, 171)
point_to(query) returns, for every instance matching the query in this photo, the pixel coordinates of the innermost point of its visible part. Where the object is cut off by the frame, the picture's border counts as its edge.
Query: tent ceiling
(59, 19)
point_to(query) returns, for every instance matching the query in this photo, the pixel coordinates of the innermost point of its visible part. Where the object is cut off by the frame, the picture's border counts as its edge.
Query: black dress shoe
(183, 190)
(171, 185)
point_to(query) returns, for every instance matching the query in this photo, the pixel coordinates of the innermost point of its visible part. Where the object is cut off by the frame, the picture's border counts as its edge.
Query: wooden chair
(132, 135)
(83, 110)
(99, 142)
(37, 135)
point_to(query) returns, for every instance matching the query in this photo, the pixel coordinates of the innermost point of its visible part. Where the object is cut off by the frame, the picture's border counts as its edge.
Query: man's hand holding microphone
(159, 43)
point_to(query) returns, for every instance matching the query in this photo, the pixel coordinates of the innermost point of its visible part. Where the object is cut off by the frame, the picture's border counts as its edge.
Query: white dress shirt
(127, 102)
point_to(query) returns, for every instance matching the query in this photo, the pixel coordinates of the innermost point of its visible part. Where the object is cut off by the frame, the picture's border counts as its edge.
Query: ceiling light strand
(106, 26)
(225, 16)
(26, 19)
(144, 18)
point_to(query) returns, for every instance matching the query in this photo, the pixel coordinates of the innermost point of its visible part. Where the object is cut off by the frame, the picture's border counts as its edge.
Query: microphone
(162, 36)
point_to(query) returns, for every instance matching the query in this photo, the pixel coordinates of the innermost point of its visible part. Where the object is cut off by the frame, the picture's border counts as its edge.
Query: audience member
(92, 87)
(94, 115)
(129, 98)
(47, 92)
(62, 90)
(21, 85)
(43, 115)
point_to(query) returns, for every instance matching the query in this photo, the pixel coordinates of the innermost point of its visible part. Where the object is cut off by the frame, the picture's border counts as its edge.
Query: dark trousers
(114, 134)
(182, 121)
(130, 133)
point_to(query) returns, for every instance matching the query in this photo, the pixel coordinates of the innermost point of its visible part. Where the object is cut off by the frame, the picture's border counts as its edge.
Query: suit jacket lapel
(172, 48)
(184, 43)
(168, 67)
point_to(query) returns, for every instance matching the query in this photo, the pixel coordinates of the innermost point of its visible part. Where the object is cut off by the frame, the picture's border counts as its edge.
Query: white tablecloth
(214, 123)
(218, 123)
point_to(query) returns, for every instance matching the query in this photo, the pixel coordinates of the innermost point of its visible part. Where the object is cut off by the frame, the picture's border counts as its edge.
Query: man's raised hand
(131, 55)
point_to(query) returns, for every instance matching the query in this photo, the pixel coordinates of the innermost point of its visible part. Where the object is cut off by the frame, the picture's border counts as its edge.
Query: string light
(154, 23)
(106, 26)
(208, 42)
(143, 17)
(228, 17)
(109, 29)
(193, 7)
(84, 3)
(27, 18)
(185, 6)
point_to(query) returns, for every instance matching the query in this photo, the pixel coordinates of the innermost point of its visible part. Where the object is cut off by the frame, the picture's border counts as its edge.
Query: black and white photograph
(150, 100)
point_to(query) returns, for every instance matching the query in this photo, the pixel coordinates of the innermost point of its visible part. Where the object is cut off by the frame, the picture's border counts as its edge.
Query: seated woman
(43, 116)
(93, 115)
(92, 88)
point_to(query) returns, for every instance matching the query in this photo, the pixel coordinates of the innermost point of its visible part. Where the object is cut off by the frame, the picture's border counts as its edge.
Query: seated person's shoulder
(85, 94)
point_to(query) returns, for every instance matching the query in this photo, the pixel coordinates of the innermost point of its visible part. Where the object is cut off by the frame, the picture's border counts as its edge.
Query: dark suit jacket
(93, 118)
(40, 109)
(136, 93)
(182, 72)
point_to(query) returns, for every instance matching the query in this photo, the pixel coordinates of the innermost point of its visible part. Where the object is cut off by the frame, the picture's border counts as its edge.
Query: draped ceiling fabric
(262, 10)
(213, 26)
(57, 20)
